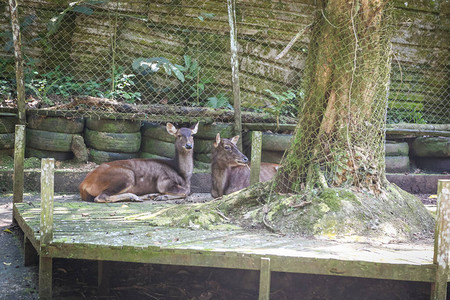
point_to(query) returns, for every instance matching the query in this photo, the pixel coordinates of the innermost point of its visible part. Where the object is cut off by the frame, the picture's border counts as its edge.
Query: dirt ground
(77, 279)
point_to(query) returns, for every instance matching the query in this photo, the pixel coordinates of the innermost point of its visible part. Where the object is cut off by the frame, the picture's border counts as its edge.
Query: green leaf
(83, 9)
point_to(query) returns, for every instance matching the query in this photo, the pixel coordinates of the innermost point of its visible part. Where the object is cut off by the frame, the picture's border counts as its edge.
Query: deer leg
(118, 188)
(169, 187)
(103, 198)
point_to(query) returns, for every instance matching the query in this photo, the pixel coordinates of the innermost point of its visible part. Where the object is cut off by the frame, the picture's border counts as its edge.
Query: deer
(126, 180)
(230, 169)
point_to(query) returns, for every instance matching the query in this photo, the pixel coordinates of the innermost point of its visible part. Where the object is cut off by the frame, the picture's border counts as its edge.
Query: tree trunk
(339, 138)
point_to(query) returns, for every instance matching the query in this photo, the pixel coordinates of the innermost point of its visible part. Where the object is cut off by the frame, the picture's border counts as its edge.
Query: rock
(79, 149)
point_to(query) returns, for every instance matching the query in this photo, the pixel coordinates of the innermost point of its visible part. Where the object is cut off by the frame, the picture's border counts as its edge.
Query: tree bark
(339, 137)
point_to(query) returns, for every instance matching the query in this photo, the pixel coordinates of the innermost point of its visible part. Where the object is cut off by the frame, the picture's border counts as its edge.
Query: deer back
(145, 176)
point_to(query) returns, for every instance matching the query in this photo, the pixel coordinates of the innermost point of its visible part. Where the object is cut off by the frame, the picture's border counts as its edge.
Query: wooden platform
(120, 232)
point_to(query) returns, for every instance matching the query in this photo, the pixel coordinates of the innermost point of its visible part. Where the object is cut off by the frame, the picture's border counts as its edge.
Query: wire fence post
(13, 6)
(235, 69)
(19, 155)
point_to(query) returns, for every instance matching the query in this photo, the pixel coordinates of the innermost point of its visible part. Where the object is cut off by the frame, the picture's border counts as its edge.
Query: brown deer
(123, 180)
(230, 171)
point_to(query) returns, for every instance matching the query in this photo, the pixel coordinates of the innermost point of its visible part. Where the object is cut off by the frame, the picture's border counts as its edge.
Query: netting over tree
(339, 138)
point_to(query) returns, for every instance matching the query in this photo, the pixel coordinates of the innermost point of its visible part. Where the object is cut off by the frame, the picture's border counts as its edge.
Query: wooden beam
(30, 256)
(264, 279)
(255, 157)
(46, 228)
(441, 242)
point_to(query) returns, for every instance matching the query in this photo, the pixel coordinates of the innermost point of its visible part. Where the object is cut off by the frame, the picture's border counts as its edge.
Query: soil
(77, 279)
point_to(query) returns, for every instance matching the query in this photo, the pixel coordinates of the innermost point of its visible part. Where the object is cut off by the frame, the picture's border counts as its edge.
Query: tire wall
(7, 129)
(204, 140)
(109, 140)
(51, 137)
(273, 146)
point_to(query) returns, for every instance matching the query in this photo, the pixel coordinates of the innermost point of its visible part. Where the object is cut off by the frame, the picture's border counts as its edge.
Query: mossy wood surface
(124, 232)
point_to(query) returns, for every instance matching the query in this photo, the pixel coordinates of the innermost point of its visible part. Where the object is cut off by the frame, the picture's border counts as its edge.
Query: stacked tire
(273, 146)
(110, 140)
(51, 137)
(204, 140)
(156, 141)
(7, 129)
(432, 153)
(396, 156)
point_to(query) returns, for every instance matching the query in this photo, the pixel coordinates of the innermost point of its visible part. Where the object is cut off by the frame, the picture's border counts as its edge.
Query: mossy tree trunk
(339, 137)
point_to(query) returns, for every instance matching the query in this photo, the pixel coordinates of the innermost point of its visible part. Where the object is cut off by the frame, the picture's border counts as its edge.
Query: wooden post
(19, 154)
(256, 157)
(264, 279)
(235, 70)
(46, 227)
(13, 6)
(104, 276)
(441, 242)
(30, 256)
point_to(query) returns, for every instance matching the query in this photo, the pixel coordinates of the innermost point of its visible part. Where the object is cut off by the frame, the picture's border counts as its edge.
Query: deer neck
(184, 161)
(218, 178)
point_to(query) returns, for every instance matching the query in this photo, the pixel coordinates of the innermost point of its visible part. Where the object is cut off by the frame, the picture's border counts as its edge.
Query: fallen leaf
(7, 230)
(432, 197)
(6, 264)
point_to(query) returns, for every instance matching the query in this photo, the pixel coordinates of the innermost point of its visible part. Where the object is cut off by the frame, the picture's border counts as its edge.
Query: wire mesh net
(339, 139)
(169, 61)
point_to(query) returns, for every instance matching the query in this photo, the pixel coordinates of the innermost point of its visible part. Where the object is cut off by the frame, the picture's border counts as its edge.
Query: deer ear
(171, 129)
(194, 130)
(235, 139)
(217, 142)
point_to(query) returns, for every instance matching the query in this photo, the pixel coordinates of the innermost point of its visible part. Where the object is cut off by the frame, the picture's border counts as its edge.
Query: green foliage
(192, 86)
(395, 116)
(284, 104)
(55, 22)
(151, 65)
(219, 101)
(122, 87)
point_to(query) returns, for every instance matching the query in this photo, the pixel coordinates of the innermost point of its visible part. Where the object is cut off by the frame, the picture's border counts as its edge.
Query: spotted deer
(230, 169)
(123, 180)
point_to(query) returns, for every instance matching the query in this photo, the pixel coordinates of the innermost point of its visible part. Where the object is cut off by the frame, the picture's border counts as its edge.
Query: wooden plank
(441, 242)
(91, 237)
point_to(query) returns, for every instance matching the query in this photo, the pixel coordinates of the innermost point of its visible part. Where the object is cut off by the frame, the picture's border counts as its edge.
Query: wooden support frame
(441, 242)
(264, 279)
(256, 157)
(46, 228)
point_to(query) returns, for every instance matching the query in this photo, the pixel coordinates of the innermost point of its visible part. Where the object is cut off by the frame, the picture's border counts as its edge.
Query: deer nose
(245, 159)
(188, 146)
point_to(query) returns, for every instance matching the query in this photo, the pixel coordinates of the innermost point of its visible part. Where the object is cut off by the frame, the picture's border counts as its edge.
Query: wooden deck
(120, 232)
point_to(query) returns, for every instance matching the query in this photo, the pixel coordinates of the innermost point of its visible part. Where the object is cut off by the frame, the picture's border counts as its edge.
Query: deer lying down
(229, 168)
(123, 180)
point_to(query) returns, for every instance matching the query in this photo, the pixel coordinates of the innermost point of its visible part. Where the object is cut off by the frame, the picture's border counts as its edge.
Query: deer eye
(227, 147)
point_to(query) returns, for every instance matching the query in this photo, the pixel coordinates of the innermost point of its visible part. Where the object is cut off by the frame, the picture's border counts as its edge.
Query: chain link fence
(170, 60)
